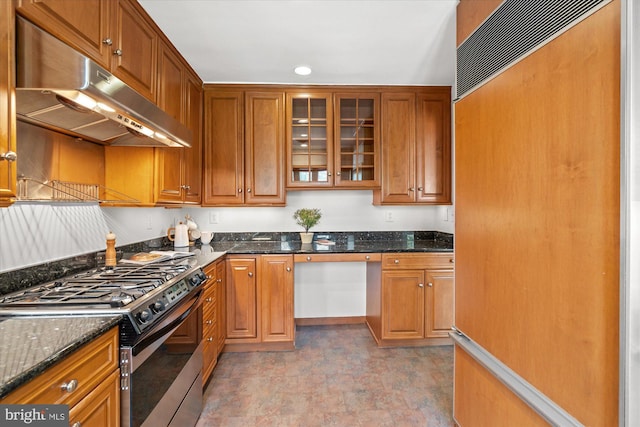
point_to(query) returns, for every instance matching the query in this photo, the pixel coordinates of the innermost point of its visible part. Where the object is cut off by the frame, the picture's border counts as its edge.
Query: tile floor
(336, 377)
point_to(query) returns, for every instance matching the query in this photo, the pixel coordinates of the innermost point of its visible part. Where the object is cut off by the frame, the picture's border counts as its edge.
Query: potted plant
(307, 218)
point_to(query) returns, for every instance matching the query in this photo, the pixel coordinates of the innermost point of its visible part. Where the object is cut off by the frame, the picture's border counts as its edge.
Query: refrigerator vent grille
(515, 29)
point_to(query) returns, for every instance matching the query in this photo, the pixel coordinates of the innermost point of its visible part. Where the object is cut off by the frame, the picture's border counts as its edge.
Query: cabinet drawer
(88, 366)
(414, 260)
(355, 257)
(101, 407)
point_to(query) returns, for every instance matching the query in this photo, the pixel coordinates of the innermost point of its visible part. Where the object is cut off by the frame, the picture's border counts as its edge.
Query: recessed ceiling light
(302, 70)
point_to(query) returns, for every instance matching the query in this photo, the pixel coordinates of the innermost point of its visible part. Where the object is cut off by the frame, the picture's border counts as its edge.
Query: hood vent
(60, 89)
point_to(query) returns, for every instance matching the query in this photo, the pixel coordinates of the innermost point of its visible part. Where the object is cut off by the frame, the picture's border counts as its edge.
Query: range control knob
(157, 306)
(144, 316)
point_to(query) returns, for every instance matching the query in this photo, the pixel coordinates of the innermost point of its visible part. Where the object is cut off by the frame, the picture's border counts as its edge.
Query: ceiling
(383, 42)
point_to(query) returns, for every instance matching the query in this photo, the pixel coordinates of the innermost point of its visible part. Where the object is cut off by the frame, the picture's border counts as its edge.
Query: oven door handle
(168, 324)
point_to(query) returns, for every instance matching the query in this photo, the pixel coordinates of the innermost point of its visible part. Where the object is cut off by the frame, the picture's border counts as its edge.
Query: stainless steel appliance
(161, 383)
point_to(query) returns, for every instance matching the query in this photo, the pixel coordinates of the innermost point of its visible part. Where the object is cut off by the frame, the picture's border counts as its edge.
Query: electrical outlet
(388, 216)
(214, 218)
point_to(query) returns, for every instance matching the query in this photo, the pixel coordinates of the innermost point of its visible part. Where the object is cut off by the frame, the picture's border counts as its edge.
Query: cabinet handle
(248, 190)
(397, 261)
(76, 424)
(219, 280)
(185, 187)
(9, 156)
(70, 386)
(288, 268)
(421, 285)
(250, 274)
(107, 41)
(308, 258)
(117, 52)
(210, 339)
(208, 299)
(430, 285)
(208, 322)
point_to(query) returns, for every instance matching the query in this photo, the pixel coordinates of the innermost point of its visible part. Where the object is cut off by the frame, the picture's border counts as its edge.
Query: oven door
(161, 383)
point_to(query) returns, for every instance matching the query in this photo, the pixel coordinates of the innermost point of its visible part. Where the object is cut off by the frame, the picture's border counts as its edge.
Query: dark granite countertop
(29, 345)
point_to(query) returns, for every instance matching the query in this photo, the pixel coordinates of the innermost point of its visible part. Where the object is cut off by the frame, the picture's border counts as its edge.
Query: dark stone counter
(29, 345)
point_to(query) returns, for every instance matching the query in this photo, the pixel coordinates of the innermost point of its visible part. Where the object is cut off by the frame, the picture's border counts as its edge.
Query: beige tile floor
(335, 377)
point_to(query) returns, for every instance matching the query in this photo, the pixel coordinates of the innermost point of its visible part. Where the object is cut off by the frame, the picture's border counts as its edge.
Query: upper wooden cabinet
(178, 171)
(7, 113)
(416, 147)
(118, 35)
(309, 139)
(243, 147)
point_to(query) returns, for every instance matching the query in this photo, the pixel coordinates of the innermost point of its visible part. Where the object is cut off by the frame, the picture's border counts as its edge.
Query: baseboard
(318, 321)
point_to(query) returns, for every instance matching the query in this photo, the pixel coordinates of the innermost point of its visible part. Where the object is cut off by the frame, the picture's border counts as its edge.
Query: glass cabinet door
(309, 140)
(357, 149)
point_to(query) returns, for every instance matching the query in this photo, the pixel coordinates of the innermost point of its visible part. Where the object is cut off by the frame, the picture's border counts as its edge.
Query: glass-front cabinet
(309, 140)
(332, 140)
(357, 145)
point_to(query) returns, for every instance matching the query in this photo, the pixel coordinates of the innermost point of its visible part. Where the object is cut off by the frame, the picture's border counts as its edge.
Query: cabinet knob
(397, 261)
(367, 257)
(248, 190)
(338, 173)
(209, 322)
(250, 274)
(117, 52)
(210, 339)
(451, 260)
(9, 156)
(411, 189)
(76, 424)
(288, 268)
(219, 280)
(208, 299)
(185, 187)
(107, 41)
(239, 190)
(308, 258)
(430, 285)
(70, 386)
(328, 173)
(419, 188)
(421, 285)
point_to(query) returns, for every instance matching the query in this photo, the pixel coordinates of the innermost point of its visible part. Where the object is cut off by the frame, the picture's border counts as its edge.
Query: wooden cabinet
(357, 142)
(260, 303)
(212, 323)
(7, 113)
(416, 147)
(95, 400)
(309, 139)
(178, 171)
(118, 35)
(410, 298)
(243, 147)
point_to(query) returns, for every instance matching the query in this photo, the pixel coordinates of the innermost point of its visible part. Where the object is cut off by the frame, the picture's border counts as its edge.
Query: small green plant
(307, 218)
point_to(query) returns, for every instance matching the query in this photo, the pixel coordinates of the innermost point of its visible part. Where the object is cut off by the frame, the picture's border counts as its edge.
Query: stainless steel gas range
(160, 383)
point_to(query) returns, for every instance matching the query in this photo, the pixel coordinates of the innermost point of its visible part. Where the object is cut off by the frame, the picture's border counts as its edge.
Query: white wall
(34, 233)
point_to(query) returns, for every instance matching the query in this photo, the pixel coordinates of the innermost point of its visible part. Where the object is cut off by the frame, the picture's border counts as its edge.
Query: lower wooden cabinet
(410, 299)
(260, 303)
(213, 308)
(95, 400)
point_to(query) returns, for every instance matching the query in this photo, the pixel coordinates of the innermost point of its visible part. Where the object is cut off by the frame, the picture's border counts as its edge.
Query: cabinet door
(264, 148)
(192, 157)
(309, 140)
(398, 147)
(433, 147)
(403, 304)
(7, 113)
(276, 287)
(222, 304)
(135, 49)
(439, 303)
(83, 24)
(101, 407)
(241, 299)
(357, 150)
(169, 161)
(223, 173)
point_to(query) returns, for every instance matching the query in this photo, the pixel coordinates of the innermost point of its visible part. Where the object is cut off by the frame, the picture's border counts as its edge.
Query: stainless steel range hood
(58, 88)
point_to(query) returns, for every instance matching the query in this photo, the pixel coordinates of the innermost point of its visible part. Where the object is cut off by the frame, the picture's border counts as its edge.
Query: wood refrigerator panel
(537, 220)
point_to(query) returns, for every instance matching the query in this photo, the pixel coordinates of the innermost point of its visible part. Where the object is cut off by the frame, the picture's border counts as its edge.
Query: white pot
(306, 237)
